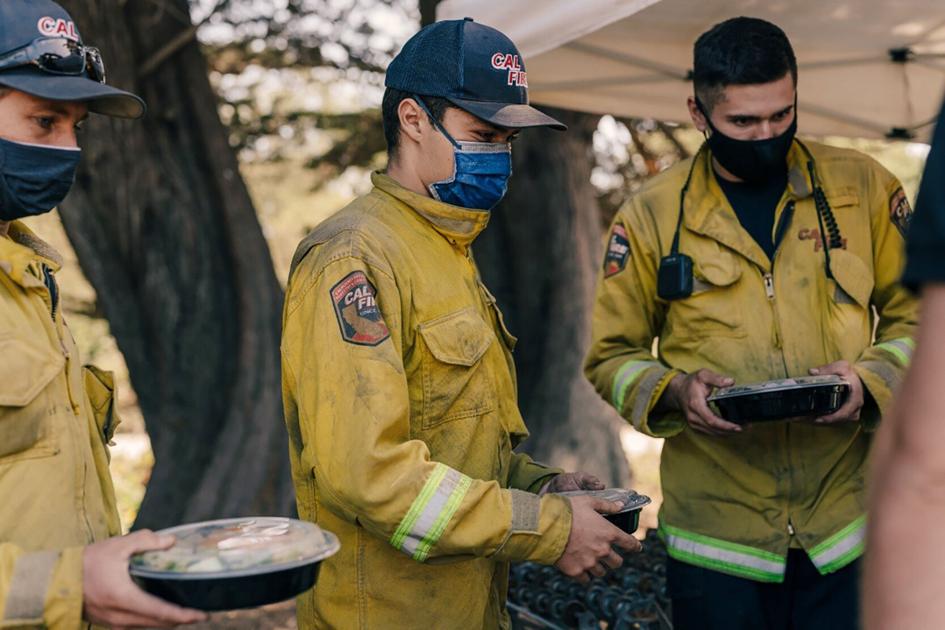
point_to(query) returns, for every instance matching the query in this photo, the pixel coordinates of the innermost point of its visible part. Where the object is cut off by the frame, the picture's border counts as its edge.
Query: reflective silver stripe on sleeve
(900, 348)
(642, 404)
(430, 512)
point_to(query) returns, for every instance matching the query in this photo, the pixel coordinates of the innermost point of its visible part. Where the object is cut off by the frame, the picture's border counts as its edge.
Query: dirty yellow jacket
(400, 403)
(56, 418)
(736, 504)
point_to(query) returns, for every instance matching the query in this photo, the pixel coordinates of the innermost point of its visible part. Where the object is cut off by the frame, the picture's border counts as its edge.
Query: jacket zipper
(783, 223)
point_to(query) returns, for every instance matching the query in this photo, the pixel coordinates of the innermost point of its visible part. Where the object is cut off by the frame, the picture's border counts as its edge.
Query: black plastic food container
(627, 519)
(803, 397)
(231, 591)
(257, 561)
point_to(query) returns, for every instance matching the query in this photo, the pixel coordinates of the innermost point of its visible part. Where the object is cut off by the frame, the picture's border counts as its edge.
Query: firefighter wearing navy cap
(398, 380)
(57, 567)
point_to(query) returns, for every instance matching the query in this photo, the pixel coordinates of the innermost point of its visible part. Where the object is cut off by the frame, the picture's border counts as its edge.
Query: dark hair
(392, 99)
(740, 51)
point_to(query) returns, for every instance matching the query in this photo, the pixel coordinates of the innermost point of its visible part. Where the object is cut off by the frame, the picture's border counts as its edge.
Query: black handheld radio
(674, 278)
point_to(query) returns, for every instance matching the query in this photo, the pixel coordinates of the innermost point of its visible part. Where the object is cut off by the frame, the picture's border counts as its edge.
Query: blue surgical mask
(481, 172)
(34, 179)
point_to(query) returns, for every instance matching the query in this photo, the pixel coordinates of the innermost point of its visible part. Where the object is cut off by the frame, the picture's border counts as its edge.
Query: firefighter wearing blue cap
(398, 379)
(58, 567)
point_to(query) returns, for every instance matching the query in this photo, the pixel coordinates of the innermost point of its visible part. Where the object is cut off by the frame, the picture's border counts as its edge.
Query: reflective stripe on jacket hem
(723, 556)
(430, 512)
(840, 549)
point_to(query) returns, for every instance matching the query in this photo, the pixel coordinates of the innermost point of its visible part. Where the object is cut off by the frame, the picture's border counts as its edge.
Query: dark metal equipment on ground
(631, 598)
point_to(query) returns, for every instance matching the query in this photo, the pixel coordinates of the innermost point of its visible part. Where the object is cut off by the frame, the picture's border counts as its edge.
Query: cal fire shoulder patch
(900, 212)
(360, 319)
(618, 251)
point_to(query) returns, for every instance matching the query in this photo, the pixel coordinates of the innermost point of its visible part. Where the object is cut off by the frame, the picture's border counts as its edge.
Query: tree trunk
(166, 232)
(540, 255)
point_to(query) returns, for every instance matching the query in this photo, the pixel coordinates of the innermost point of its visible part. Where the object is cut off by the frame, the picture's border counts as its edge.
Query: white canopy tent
(868, 68)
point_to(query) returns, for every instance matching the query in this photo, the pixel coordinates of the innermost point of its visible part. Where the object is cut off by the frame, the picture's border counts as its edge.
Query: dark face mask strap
(435, 122)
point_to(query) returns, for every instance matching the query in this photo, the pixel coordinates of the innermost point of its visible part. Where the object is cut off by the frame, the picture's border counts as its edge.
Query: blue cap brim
(509, 115)
(101, 98)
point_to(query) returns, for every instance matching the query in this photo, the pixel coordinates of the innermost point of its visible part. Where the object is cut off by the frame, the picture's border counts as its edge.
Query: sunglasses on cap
(57, 55)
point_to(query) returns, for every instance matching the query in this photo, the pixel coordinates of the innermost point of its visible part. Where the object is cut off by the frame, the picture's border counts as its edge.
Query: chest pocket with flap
(26, 408)
(709, 311)
(455, 382)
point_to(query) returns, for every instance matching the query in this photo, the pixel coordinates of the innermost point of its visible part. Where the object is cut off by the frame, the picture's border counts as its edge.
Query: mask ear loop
(435, 122)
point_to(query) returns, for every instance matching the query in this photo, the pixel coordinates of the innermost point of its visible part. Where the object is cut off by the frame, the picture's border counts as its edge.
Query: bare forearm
(906, 557)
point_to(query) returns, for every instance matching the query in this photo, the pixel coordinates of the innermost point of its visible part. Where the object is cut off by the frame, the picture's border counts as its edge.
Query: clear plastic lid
(784, 384)
(238, 545)
(629, 498)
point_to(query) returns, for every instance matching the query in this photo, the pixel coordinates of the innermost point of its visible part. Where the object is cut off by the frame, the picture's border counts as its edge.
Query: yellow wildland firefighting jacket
(400, 401)
(56, 418)
(735, 504)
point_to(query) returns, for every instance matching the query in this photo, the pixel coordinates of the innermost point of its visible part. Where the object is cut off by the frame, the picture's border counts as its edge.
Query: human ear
(698, 119)
(412, 119)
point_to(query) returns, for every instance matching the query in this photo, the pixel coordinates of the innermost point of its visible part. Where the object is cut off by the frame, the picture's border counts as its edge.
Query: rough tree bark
(166, 232)
(540, 256)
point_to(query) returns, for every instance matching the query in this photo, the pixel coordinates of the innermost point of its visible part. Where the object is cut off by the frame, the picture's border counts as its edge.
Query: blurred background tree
(187, 261)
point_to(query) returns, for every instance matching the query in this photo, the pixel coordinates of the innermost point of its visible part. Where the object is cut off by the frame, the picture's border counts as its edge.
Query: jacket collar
(708, 212)
(21, 252)
(458, 225)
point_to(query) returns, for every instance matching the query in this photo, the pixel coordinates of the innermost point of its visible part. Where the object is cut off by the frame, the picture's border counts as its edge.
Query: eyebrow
(61, 110)
(759, 118)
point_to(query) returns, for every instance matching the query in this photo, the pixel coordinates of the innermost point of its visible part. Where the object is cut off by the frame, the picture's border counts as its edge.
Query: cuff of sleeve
(540, 528)
(64, 598)
(657, 424)
(878, 382)
(45, 590)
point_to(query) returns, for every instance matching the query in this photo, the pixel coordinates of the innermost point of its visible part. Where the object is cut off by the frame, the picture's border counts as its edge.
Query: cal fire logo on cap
(57, 27)
(355, 300)
(507, 61)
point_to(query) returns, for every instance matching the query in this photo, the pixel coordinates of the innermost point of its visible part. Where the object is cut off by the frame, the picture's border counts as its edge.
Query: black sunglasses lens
(59, 56)
(96, 64)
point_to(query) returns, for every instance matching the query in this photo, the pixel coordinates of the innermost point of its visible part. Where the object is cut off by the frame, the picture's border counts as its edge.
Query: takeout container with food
(235, 563)
(628, 518)
(804, 396)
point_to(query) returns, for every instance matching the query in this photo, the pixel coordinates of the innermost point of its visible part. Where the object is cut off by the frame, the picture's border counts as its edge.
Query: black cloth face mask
(753, 161)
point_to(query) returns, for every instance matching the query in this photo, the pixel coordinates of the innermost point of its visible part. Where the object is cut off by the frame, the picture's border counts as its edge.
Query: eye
(781, 115)
(740, 121)
(46, 122)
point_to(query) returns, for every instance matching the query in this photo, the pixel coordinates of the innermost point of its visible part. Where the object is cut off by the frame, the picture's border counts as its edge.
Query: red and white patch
(57, 27)
(512, 64)
(360, 319)
(618, 251)
(900, 212)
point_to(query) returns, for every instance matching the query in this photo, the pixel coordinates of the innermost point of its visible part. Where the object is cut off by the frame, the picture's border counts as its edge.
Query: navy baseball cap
(24, 21)
(475, 67)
